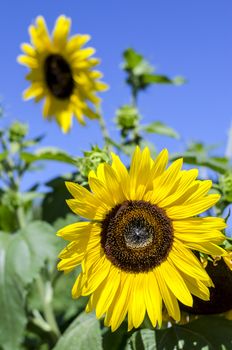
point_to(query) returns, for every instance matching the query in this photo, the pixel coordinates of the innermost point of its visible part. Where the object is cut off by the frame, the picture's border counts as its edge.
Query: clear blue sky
(190, 38)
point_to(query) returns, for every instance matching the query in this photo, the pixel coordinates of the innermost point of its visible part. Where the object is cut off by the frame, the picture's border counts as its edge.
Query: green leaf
(48, 153)
(208, 333)
(132, 59)
(8, 219)
(144, 339)
(161, 79)
(160, 129)
(12, 298)
(34, 244)
(115, 340)
(22, 255)
(156, 79)
(179, 80)
(54, 204)
(141, 72)
(63, 303)
(218, 164)
(200, 154)
(83, 333)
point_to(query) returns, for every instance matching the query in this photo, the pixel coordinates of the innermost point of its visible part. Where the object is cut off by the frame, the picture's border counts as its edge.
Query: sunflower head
(61, 72)
(135, 245)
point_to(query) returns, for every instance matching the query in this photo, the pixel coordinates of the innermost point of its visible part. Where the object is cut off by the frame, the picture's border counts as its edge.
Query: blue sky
(190, 38)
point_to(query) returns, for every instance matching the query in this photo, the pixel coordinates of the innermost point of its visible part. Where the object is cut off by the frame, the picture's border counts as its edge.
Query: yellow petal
(160, 163)
(96, 275)
(64, 119)
(119, 307)
(61, 31)
(185, 185)
(113, 185)
(213, 236)
(109, 288)
(136, 311)
(70, 263)
(192, 209)
(76, 42)
(36, 89)
(86, 210)
(28, 49)
(175, 283)
(206, 247)
(140, 171)
(90, 113)
(83, 54)
(81, 193)
(196, 287)
(100, 191)
(100, 86)
(170, 300)
(185, 261)
(29, 61)
(47, 107)
(39, 35)
(121, 173)
(73, 232)
(200, 224)
(203, 189)
(152, 299)
(85, 64)
(165, 183)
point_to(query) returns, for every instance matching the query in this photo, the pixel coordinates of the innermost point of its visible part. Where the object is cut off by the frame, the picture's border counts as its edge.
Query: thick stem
(46, 294)
(21, 217)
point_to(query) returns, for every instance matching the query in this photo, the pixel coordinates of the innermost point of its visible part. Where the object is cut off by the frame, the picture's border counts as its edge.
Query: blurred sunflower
(135, 248)
(61, 71)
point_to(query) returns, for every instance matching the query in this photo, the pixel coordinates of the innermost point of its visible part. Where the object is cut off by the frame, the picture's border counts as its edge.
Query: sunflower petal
(170, 300)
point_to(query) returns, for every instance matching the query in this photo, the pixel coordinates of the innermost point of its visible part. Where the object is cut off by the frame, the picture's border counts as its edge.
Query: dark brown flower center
(58, 76)
(136, 236)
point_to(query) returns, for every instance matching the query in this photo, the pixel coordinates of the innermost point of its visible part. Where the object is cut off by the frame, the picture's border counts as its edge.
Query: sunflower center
(58, 76)
(136, 236)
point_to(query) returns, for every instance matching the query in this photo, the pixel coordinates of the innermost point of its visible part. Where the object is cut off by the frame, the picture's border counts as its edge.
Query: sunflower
(61, 71)
(135, 245)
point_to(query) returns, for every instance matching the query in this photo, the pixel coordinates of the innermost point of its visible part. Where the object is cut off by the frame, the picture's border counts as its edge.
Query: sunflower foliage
(37, 308)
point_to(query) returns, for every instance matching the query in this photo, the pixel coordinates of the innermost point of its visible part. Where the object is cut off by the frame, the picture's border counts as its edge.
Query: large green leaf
(22, 255)
(160, 129)
(12, 298)
(208, 333)
(115, 340)
(84, 333)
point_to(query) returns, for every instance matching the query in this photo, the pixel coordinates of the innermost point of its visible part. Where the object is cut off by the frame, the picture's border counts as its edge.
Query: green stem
(104, 130)
(21, 217)
(134, 97)
(46, 294)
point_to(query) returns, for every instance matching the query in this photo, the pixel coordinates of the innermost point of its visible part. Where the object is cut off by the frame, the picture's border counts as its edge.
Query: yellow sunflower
(61, 71)
(135, 245)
